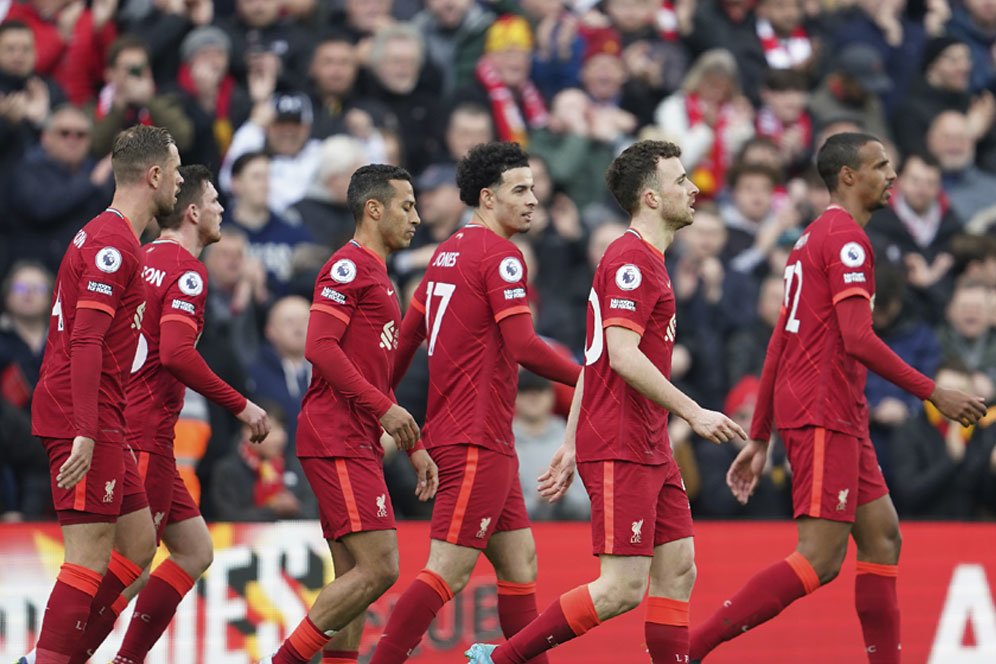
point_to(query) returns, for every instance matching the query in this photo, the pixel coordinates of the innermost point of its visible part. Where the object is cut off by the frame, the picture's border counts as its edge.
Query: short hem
(75, 517)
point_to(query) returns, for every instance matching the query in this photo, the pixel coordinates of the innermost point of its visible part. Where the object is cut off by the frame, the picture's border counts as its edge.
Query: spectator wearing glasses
(129, 98)
(61, 162)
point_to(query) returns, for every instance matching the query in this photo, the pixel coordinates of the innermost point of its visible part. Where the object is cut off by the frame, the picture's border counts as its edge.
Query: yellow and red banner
(265, 576)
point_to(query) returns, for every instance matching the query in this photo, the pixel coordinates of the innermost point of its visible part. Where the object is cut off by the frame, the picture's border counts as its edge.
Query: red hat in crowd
(743, 394)
(603, 41)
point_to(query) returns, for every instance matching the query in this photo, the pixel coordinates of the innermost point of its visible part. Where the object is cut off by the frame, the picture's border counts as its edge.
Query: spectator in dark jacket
(45, 223)
(968, 333)
(746, 348)
(974, 22)
(258, 30)
(280, 373)
(772, 499)
(942, 469)
(259, 482)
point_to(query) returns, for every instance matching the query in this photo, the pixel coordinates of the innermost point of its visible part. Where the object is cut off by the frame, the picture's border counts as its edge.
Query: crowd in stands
(284, 99)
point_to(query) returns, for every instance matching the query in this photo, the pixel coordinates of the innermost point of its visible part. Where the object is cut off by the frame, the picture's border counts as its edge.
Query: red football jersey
(817, 383)
(475, 279)
(175, 289)
(631, 289)
(354, 287)
(102, 270)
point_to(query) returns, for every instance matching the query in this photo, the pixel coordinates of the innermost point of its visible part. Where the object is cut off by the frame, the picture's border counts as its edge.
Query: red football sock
(666, 630)
(154, 609)
(570, 616)
(763, 598)
(66, 614)
(302, 644)
(516, 609)
(411, 617)
(878, 610)
(340, 657)
(121, 573)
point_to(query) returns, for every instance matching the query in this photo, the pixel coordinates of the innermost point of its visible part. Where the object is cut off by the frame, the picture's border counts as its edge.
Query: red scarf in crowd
(784, 53)
(667, 22)
(269, 474)
(710, 173)
(769, 126)
(505, 110)
(105, 102)
(222, 126)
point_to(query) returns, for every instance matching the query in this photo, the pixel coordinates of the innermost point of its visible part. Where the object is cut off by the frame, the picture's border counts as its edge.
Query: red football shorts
(352, 495)
(110, 488)
(832, 473)
(627, 498)
(169, 499)
(479, 494)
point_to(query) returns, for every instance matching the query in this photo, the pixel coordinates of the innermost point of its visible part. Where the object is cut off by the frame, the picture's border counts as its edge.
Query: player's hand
(256, 419)
(401, 426)
(958, 406)
(554, 483)
(746, 469)
(75, 467)
(715, 427)
(428, 475)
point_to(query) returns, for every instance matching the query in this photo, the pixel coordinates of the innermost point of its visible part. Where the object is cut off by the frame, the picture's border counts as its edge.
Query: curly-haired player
(473, 306)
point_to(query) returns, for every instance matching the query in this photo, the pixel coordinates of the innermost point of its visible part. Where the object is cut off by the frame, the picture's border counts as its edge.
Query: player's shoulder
(351, 263)
(631, 248)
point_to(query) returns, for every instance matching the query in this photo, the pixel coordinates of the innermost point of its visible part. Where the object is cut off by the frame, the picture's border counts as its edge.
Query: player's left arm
(861, 343)
(627, 360)
(535, 354)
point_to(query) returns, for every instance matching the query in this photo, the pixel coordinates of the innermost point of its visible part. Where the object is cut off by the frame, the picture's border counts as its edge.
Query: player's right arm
(627, 360)
(324, 351)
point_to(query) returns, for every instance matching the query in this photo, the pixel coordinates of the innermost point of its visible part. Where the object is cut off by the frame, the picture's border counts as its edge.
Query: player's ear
(154, 175)
(373, 208)
(486, 197)
(846, 175)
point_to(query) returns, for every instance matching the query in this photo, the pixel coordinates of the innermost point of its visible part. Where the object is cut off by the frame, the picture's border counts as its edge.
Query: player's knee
(627, 594)
(380, 574)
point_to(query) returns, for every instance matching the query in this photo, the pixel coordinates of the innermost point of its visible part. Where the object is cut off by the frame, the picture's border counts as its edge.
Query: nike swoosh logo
(390, 291)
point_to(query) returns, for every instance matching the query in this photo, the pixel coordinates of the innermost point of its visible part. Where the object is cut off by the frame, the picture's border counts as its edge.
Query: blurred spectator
(469, 124)
(915, 231)
(271, 238)
(72, 39)
(852, 89)
(559, 44)
(339, 108)
(914, 341)
(727, 24)
(944, 86)
(503, 84)
(212, 99)
(258, 32)
(361, 19)
(709, 119)
(772, 499)
(280, 126)
(885, 27)
(655, 56)
(578, 144)
(783, 116)
(784, 39)
(129, 98)
(969, 335)
(974, 22)
(942, 469)
(754, 224)
(236, 294)
(61, 163)
(397, 56)
(323, 212)
(27, 294)
(20, 86)
(967, 186)
(619, 104)
(441, 211)
(280, 373)
(747, 346)
(454, 38)
(163, 25)
(975, 258)
(538, 435)
(259, 482)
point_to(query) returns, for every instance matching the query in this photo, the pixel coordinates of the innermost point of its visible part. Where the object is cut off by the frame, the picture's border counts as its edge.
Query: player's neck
(138, 209)
(653, 232)
(188, 240)
(857, 211)
(371, 240)
(482, 218)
